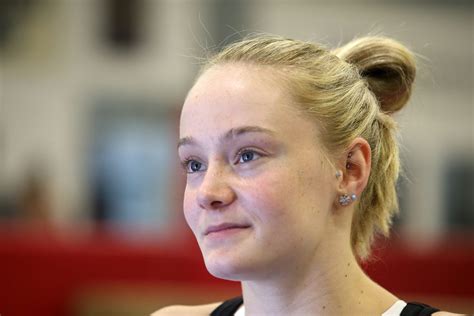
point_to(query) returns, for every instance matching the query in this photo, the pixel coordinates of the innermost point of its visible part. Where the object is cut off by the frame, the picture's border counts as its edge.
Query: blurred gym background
(90, 189)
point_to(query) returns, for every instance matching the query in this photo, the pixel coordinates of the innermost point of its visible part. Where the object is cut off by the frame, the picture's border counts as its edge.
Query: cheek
(269, 197)
(190, 213)
(289, 199)
(285, 221)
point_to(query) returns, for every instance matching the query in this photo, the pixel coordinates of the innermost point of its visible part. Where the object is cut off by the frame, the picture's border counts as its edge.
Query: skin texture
(254, 161)
(251, 193)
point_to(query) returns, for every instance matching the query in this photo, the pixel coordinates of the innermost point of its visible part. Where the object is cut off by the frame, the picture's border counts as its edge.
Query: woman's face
(258, 193)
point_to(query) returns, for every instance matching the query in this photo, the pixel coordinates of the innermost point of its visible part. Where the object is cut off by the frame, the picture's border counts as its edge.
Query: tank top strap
(228, 308)
(418, 309)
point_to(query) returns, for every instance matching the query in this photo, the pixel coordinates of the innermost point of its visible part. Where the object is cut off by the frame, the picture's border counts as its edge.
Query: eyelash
(185, 163)
(247, 150)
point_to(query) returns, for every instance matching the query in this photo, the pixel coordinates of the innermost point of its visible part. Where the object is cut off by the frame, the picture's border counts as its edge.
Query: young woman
(291, 159)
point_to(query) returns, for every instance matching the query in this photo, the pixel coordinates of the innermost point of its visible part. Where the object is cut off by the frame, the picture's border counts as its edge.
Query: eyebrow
(232, 133)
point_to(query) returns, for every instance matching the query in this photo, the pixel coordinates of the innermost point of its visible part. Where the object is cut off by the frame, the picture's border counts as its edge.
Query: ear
(354, 168)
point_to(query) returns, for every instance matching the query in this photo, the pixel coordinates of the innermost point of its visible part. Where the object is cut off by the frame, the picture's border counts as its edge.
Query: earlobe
(345, 199)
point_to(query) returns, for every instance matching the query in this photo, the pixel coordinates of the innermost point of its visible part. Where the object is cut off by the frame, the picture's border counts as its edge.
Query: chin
(227, 267)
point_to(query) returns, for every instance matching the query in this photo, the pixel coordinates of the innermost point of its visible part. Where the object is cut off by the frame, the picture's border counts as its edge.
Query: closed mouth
(224, 226)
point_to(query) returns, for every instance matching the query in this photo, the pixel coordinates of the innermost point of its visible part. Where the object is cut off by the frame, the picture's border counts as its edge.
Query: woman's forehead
(238, 81)
(235, 94)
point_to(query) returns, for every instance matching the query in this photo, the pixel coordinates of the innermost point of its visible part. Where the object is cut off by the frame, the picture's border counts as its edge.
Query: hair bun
(387, 65)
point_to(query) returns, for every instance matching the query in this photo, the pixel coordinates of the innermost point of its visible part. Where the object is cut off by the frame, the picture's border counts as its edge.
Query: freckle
(361, 292)
(348, 264)
(359, 302)
(345, 276)
(324, 307)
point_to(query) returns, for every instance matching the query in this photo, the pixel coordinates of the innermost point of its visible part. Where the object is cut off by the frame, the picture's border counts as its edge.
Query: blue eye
(248, 155)
(192, 166)
(195, 165)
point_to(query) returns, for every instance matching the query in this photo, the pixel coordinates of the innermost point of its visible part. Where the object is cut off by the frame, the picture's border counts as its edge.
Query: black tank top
(229, 307)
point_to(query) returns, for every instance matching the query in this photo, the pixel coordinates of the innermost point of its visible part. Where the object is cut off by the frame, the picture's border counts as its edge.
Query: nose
(215, 190)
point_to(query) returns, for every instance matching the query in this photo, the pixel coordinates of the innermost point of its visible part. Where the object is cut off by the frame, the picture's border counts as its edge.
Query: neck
(331, 284)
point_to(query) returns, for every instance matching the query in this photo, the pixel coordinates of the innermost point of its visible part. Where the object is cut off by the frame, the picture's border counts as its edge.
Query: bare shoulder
(182, 310)
(448, 314)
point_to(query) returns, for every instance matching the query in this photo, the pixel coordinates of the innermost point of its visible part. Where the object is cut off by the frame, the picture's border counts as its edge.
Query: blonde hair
(351, 92)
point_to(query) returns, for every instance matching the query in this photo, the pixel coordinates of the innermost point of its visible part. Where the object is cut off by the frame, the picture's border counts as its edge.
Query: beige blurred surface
(57, 65)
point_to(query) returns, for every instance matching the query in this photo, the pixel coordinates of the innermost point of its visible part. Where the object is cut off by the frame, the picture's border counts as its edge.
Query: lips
(223, 227)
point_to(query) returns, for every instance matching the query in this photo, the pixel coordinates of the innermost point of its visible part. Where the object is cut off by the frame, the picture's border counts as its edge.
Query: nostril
(216, 204)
